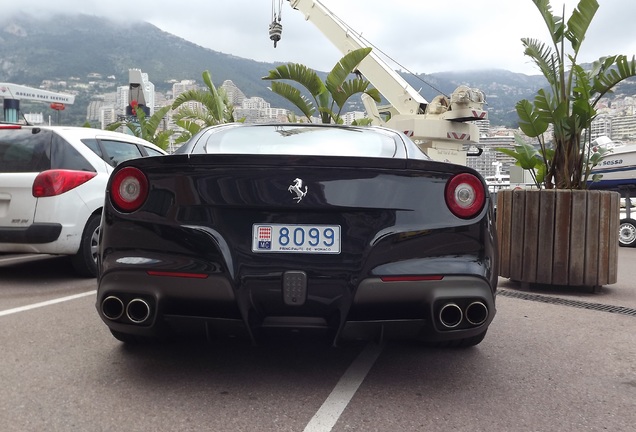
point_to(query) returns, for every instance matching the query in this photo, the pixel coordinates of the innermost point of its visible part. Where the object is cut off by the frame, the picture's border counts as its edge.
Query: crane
(442, 128)
(13, 93)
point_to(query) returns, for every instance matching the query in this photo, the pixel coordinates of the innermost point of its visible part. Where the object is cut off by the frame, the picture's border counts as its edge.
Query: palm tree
(328, 95)
(214, 109)
(147, 127)
(569, 104)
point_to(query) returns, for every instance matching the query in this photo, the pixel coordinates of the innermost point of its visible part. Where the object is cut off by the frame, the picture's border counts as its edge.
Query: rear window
(65, 156)
(37, 150)
(23, 151)
(297, 140)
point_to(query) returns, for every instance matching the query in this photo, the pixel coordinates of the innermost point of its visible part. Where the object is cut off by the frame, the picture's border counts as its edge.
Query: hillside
(32, 51)
(70, 47)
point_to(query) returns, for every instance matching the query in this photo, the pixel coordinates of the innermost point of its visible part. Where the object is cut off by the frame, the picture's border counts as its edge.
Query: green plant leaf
(113, 126)
(579, 22)
(293, 95)
(543, 56)
(596, 177)
(611, 71)
(530, 121)
(362, 122)
(215, 108)
(162, 139)
(344, 68)
(155, 120)
(300, 74)
(352, 87)
(553, 23)
(216, 104)
(526, 155)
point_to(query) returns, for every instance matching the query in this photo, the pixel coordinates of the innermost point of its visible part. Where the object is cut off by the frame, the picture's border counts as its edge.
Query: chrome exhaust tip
(450, 315)
(138, 310)
(112, 308)
(476, 313)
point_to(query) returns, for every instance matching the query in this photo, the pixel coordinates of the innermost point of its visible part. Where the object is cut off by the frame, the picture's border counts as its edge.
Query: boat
(618, 172)
(497, 181)
(618, 166)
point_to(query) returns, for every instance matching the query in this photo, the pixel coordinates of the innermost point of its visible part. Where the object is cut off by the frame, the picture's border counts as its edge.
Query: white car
(52, 187)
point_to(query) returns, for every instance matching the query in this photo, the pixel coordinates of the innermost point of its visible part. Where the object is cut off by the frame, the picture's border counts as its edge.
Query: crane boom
(442, 128)
(404, 98)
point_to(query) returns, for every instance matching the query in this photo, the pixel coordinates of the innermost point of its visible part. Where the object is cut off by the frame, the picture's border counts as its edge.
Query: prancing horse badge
(297, 188)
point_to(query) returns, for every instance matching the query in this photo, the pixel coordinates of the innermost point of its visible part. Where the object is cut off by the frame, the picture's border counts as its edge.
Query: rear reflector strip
(411, 278)
(177, 274)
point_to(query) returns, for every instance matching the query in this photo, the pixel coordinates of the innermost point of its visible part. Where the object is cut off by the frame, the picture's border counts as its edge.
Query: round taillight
(129, 189)
(465, 195)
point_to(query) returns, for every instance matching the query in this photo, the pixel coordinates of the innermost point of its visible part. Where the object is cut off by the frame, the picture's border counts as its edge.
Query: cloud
(423, 36)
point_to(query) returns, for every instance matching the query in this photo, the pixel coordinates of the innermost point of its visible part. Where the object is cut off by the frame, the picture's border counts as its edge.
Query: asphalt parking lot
(552, 361)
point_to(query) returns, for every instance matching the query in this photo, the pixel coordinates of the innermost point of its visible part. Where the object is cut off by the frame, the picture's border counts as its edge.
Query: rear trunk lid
(339, 215)
(17, 203)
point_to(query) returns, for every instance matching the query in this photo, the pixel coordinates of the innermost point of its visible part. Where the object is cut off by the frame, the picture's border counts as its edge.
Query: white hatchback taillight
(129, 189)
(465, 195)
(56, 182)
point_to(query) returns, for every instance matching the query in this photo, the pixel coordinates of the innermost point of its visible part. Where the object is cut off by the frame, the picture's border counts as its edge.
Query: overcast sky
(423, 36)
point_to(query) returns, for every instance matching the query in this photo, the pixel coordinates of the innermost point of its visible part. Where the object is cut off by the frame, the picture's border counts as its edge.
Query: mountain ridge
(73, 46)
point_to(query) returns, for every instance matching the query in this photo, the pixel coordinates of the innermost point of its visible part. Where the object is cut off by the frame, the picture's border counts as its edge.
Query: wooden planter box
(558, 237)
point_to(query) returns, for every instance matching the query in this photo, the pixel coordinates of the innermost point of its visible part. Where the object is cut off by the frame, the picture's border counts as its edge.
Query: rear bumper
(372, 309)
(33, 234)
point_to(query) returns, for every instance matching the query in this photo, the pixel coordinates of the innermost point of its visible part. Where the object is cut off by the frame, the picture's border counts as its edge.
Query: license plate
(323, 239)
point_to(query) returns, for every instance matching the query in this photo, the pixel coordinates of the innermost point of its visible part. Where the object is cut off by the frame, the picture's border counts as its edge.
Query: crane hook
(275, 31)
(276, 28)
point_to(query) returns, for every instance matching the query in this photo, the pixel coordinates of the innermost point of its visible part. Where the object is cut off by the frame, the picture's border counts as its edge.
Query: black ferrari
(246, 229)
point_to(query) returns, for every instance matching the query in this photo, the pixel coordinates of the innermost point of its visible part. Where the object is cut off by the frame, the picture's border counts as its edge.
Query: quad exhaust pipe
(476, 313)
(112, 308)
(137, 310)
(451, 315)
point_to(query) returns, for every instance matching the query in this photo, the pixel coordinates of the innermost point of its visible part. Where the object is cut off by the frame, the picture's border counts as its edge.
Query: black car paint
(198, 220)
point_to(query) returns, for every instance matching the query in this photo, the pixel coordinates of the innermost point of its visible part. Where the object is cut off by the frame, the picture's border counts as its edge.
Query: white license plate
(323, 239)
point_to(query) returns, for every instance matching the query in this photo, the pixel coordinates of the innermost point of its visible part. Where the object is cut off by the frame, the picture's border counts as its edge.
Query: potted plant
(561, 233)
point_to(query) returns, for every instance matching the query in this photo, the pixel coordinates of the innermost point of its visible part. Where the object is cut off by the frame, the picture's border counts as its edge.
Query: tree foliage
(212, 108)
(328, 98)
(147, 128)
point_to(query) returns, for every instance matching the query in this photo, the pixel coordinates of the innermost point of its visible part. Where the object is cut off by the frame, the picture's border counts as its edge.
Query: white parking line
(46, 303)
(22, 257)
(330, 411)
